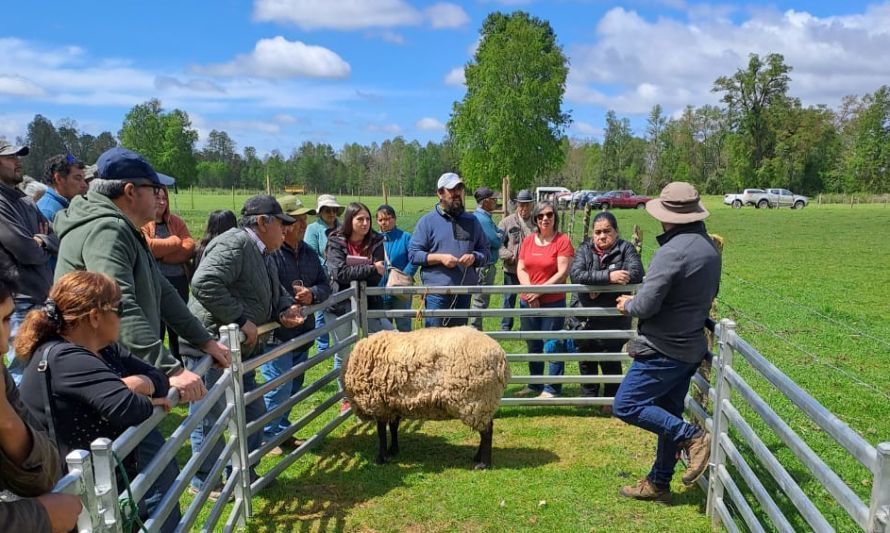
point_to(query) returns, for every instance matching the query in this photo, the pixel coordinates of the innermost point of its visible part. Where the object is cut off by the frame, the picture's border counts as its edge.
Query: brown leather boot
(698, 451)
(647, 491)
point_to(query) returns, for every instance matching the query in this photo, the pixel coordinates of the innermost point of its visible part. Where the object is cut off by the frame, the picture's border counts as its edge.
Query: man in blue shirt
(449, 245)
(65, 175)
(486, 203)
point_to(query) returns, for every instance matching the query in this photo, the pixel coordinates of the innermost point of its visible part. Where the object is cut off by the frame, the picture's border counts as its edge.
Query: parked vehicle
(764, 198)
(583, 197)
(624, 198)
(551, 193)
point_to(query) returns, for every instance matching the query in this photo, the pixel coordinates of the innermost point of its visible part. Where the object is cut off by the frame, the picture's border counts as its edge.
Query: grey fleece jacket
(676, 296)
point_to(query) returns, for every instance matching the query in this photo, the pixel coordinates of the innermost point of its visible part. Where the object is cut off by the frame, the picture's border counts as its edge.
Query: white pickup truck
(761, 198)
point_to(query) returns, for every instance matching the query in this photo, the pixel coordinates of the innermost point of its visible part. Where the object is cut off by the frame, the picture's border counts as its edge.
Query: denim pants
(651, 397)
(393, 302)
(20, 311)
(146, 451)
(509, 299)
(445, 301)
(345, 330)
(253, 411)
(543, 323)
(481, 301)
(323, 341)
(280, 394)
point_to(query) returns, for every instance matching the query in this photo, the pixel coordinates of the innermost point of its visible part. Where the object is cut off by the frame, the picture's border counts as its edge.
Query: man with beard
(449, 245)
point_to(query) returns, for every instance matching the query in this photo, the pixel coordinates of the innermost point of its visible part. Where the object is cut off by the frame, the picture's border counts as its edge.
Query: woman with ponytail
(80, 384)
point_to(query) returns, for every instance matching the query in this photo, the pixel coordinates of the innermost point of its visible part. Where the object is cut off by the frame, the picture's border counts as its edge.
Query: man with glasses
(300, 272)
(26, 238)
(449, 245)
(100, 233)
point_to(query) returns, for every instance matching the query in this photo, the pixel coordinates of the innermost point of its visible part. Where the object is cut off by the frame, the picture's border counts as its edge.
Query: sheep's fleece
(429, 374)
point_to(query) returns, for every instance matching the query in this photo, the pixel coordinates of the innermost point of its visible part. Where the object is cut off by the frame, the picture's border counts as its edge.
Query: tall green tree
(510, 122)
(750, 94)
(44, 141)
(166, 139)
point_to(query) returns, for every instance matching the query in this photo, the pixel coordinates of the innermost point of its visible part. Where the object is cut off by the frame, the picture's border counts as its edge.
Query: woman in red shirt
(544, 259)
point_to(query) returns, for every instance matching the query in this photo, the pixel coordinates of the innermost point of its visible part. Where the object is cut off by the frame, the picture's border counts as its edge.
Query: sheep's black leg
(394, 430)
(483, 455)
(381, 440)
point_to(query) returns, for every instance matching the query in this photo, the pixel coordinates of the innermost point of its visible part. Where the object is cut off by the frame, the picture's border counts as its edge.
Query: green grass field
(807, 289)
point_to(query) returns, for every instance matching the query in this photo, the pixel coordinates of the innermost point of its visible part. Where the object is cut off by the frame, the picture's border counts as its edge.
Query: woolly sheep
(429, 374)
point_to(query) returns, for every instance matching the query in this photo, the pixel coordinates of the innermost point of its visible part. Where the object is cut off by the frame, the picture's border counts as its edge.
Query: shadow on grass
(345, 477)
(560, 411)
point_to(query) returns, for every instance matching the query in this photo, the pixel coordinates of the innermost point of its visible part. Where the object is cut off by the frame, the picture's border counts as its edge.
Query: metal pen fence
(92, 474)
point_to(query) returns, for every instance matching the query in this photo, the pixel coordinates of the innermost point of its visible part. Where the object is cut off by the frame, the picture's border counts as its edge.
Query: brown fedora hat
(678, 203)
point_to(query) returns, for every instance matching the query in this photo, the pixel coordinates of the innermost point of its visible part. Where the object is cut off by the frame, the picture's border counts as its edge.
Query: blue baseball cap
(166, 181)
(125, 165)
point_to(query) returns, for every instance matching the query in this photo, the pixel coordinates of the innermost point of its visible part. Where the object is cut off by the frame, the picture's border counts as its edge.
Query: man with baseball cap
(515, 227)
(300, 273)
(672, 306)
(100, 232)
(449, 245)
(238, 282)
(328, 209)
(27, 239)
(486, 203)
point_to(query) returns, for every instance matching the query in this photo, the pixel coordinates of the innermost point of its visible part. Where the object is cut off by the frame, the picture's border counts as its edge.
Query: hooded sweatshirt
(98, 237)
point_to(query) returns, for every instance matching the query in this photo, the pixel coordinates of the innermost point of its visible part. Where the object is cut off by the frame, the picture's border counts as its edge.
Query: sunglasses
(155, 188)
(548, 214)
(118, 310)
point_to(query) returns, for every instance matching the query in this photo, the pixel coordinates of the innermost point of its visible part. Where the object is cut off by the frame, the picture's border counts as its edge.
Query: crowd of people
(99, 273)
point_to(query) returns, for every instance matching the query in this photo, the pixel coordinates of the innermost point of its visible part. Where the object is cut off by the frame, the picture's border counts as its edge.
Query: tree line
(511, 122)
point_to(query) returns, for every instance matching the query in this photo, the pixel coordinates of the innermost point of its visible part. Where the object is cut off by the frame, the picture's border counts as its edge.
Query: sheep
(429, 374)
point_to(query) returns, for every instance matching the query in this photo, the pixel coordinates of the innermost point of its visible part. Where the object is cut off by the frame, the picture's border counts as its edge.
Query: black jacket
(342, 274)
(20, 221)
(301, 264)
(675, 300)
(589, 269)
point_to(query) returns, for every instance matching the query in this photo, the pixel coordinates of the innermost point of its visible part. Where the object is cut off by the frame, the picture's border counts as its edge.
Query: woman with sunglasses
(544, 259)
(81, 385)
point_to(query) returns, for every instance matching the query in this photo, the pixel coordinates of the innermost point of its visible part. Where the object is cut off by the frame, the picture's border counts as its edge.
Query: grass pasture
(807, 288)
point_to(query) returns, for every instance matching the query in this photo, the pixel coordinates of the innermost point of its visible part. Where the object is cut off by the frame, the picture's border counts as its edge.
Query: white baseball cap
(449, 180)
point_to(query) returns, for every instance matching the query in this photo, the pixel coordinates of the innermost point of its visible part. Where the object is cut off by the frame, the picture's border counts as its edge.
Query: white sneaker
(525, 392)
(545, 395)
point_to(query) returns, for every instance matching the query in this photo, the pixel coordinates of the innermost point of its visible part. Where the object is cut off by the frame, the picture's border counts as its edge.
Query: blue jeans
(543, 323)
(146, 451)
(280, 394)
(509, 300)
(323, 341)
(392, 302)
(252, 411)
(651, 397)
(20, 311)
(445, 301)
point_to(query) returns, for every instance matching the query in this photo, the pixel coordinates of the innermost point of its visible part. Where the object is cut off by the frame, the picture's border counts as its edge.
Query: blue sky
(275, 73)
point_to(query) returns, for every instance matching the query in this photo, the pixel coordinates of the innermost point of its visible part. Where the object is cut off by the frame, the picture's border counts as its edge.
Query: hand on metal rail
(292, 317)
(621, 301)
(250, 333)
(220, 352)
(190, 386)
(164, 403)
(619, 277)
(62, 510)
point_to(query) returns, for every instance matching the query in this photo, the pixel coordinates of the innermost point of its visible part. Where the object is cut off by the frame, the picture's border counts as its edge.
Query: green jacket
(235, 283)
(98, 237)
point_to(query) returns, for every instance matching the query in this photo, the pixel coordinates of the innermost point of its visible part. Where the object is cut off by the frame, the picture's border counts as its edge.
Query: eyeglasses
(156, 189)
(118, 310)
(548, 214)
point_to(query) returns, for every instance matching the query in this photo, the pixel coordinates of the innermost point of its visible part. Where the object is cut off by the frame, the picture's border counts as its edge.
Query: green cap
(293, 206)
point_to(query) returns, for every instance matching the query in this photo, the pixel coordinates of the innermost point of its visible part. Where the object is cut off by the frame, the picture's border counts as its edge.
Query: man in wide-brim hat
(672, 305)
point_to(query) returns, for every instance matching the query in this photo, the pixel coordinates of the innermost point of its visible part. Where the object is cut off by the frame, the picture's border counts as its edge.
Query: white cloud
(678, 61)
(278, 58)
(19, 86)
(389, 36)
(391, 129)
(455, 77)
(349, 15)
(585, 128)
(430, 124)
(194, 84)
(284, 118)
(445, 15)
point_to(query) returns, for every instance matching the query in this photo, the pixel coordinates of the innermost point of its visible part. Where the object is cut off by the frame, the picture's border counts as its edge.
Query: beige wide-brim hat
(678, 203)
(329, 200)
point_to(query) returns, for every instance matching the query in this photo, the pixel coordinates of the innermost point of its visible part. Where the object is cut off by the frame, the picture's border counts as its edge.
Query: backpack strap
(43, 368)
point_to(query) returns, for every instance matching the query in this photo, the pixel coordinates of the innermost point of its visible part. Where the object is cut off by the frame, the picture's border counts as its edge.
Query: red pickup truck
(626, 199)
